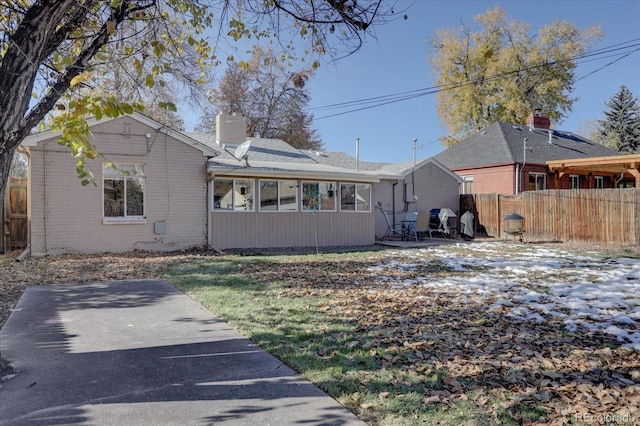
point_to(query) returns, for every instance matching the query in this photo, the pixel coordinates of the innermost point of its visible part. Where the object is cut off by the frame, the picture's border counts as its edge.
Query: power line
(619, 51)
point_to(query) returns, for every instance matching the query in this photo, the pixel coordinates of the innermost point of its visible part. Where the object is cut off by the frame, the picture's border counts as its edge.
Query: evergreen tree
(621, 128)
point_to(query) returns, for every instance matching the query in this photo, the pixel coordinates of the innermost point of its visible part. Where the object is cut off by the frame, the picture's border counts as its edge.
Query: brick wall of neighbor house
(564, 182)
(531, 169)
(490, 180)
(67, 217)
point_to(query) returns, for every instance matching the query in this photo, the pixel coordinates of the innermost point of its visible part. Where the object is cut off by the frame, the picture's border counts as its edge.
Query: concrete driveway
(143, 353)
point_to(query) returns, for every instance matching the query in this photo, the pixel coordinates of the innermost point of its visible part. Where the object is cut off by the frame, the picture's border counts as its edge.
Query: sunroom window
(233, 194)
(318, 196)
(355, 197)
(278, 195)
(123, 189)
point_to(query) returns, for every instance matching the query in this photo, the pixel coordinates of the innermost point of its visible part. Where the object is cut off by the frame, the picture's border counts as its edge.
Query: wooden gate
(16, 222)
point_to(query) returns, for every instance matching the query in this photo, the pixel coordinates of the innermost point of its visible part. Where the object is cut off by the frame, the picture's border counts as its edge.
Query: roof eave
(34, 139)
(268, 172)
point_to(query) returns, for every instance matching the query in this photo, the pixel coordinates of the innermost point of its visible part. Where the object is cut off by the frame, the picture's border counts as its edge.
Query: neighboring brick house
(510, 158)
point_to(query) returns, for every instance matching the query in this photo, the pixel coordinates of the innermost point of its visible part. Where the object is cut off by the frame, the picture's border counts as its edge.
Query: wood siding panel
(290, 229)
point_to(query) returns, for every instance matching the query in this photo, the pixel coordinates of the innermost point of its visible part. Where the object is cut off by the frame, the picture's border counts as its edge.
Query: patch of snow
(589, 293)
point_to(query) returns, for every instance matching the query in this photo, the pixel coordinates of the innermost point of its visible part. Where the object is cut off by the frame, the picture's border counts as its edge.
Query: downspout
(619, 180)
(517, 179)
(393, 202)
(207, 202)
(209, 210)
(413, 169)
(44, 198)
(524, 161)
(22, 256)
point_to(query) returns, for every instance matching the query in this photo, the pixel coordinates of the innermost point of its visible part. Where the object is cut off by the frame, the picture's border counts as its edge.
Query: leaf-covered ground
(524, 333)
(540, 333)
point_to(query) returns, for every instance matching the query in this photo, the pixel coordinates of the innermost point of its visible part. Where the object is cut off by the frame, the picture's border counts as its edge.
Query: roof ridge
(505, 140)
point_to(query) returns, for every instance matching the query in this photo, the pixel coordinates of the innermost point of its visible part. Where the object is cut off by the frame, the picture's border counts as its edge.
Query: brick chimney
(538, 120)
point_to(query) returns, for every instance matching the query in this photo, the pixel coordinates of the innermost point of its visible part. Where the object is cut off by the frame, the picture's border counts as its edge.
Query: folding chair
(422, 227)
(391, 228)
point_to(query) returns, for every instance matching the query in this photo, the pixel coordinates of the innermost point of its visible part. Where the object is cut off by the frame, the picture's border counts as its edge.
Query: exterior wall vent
(160, 227)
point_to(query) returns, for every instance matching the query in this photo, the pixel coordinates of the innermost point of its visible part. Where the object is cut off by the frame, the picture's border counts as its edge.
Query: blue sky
(395, 61)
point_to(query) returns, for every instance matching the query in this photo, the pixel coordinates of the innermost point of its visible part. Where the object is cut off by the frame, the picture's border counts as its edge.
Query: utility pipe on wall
(524, 161)
(393, 201)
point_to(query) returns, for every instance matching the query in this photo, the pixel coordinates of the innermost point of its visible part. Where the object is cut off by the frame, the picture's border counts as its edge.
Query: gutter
(294, 174)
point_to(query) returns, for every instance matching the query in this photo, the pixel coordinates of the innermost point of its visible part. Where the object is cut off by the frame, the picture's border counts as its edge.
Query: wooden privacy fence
(15, 220)
(609, 216)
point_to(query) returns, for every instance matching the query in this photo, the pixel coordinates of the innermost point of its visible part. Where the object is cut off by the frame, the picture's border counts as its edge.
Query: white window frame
(238, 189)
(574, 181)
(466, 187)
(535, 176)
(327, 194)
(598, 182)
(363, 207)
(125, 172)
(281, 184)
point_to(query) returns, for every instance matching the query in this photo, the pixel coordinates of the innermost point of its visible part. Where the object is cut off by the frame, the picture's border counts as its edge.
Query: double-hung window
(466, 187)
(233, 194)
(574, 181)
(278, 195)
(537, 181)
(123, 191)
(355, 197)
(599, 182)
(318, 196)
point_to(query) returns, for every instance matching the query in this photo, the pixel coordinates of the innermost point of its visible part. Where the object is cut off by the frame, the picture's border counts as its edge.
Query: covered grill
(514, 225)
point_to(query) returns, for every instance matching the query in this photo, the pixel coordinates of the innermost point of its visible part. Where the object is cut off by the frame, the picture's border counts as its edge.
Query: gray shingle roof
(503, 143)
(341, 159)
(275, 154)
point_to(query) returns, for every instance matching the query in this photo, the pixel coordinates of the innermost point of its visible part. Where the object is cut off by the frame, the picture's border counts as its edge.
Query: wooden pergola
(621, 165)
